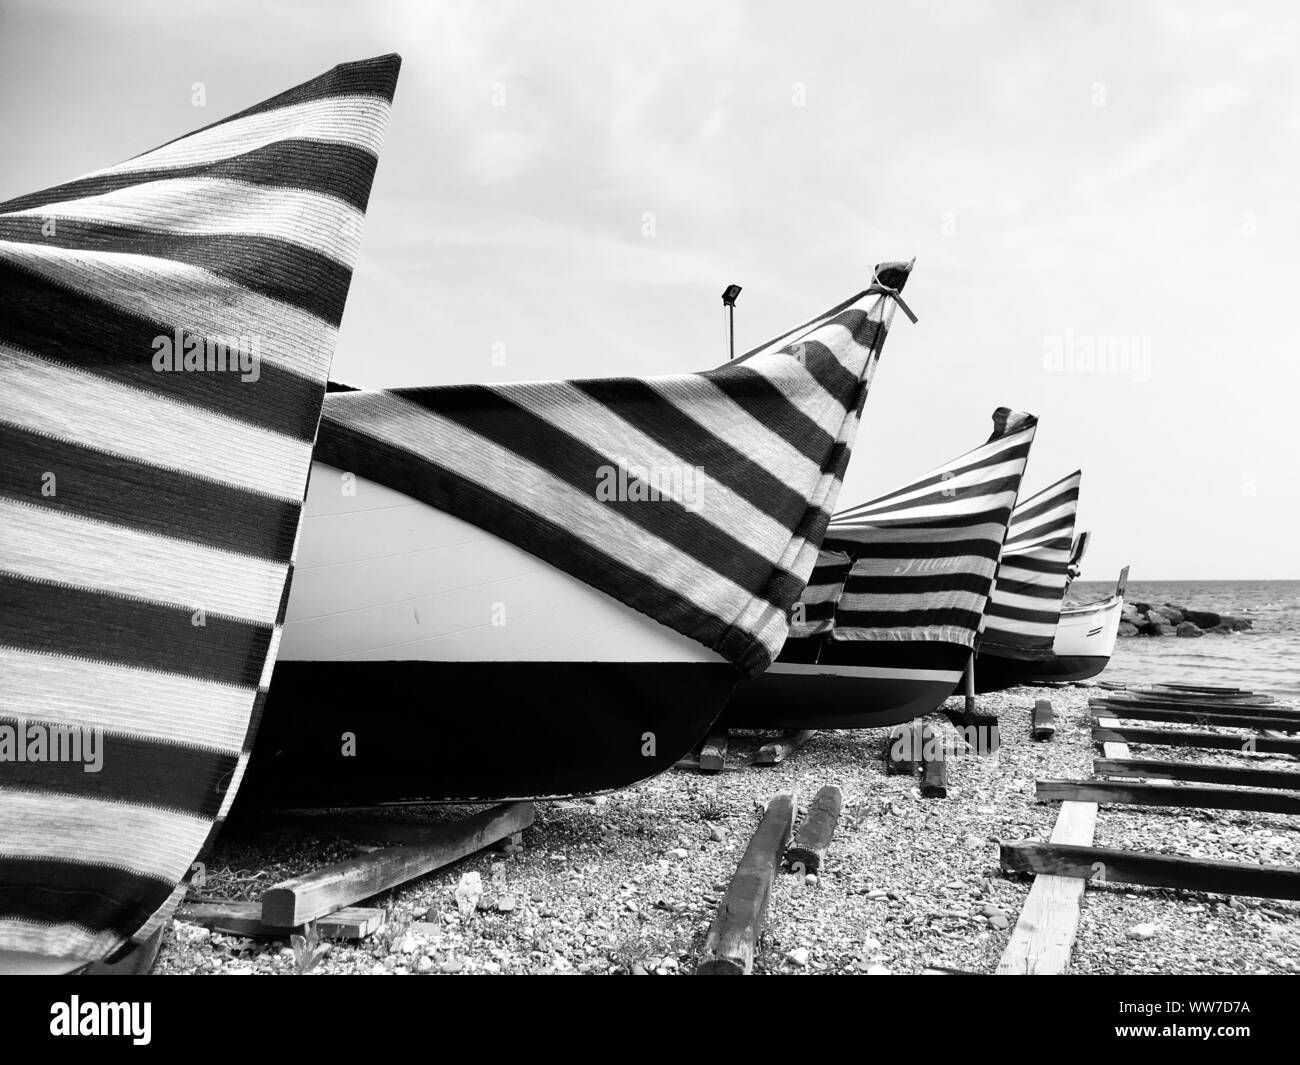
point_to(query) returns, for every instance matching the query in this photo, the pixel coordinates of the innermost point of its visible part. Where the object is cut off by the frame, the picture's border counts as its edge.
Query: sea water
(1265, 658)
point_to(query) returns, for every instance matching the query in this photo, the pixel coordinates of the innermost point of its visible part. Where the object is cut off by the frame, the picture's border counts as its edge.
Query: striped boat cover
(924, 556)
(166, 331)
(698, 499)
(815, 614)
(1033, 571)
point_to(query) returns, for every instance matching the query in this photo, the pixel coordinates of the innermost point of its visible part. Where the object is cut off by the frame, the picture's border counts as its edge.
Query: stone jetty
(1169, 619)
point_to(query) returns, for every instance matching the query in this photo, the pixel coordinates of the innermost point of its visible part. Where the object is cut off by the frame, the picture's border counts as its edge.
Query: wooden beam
(245, 919)
(1158, 737)
(1195, 771)
(304, 898)
(1236, 709)
(1043, 938)
(733, 936)
(1118, 792)
(1199, 717)
(902, 749)
(934, 765)
(777, 751)
(810, 844)
(713, 754)
(1044, 723)
(1152, 870)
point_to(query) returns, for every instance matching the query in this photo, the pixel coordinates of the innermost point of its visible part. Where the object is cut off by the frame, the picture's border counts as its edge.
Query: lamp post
(729, 301)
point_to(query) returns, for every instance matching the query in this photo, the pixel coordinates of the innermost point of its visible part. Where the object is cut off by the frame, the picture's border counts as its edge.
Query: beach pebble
(424, 965)
(798, 957)
(878, 970)
(506, 904)
(717, 833)
(1141, 931)
(999, 921)
(679, 853)
(810, 879)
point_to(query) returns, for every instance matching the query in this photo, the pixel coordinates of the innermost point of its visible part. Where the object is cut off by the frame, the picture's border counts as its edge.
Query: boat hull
(852, 684)
(475, 731)
(1081, 649)
(426, 660)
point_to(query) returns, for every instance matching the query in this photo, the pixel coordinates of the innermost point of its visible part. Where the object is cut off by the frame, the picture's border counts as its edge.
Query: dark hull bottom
(993, 673)
(474, 731)
(778, 700)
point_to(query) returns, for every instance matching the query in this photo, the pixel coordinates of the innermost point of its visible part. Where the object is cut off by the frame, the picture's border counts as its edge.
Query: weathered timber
(304, 898)
(1197, 717)
(1204, 773)
(1202, 797)
(245, 919)
(777, 751)
(1110, 865)
(733, 937)
(713, 753)
(1210, 740)
(1239, 712)
(903, 749)
(934, 765)
(813, 839)
(1044, 723)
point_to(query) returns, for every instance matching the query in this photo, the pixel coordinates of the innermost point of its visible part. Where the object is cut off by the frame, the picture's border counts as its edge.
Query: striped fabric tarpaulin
(815, 613)
(166, 331)
(924, 556)
(1033, 572)
(698, 499)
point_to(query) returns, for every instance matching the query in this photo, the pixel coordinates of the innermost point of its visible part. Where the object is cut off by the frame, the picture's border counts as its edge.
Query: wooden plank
(1044, 722)
(1133, 793)
(778, 751)
(1152, 870)
(902, 749)
(304, 898)
(934, 765)
(1130, 707)
(713, 754)
(1200, 717)
(1043, 938)
(245, 919)
(1195, 771)
(1182, 738)
(733, 936)
(810, 844)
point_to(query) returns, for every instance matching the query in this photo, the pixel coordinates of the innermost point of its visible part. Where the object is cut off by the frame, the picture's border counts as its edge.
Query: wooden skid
(778, 751)
(901, 748)
(1209, 740)
(934, 766)
(806, 853)
(245, 919)
(713, 753)
(304, 898)
(1236, 708)
(1193, 796)
(1198, 772)
(1044, 724)
(733, 936)
(1109, 865)
(1197, 717)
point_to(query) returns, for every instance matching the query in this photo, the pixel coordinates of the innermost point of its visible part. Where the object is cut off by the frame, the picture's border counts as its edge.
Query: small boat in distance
(887, 625)
(544, 589)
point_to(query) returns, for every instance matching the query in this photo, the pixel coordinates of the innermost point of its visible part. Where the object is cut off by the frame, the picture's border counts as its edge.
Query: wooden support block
(903, 749)
(1209, 740)
(1110, 865)
(778, 751)
(1044, 725)
(304, 898)
(245, 919)
(1235, 709)
(1193, 771)
(934, 765)
(1134, 793)
(1201, 717)
(733, 936)
(810, 844)
(713, 755)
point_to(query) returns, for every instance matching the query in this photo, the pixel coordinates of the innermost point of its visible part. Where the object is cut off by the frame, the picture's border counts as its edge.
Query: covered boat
(888, 623)
(531, 590)
(166, 331)
(1029, 636)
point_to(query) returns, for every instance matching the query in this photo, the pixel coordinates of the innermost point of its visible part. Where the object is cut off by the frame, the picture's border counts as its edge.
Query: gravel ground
(629, 882)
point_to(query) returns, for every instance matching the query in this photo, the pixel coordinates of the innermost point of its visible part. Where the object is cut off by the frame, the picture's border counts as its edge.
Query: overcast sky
(571, 185)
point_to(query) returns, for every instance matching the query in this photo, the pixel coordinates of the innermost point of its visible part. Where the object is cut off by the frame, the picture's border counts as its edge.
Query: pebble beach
(628, 883)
